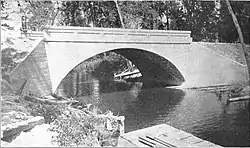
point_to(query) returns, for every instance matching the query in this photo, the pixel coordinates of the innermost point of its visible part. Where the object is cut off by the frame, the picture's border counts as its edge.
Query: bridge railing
(115, 35)
(32, 34)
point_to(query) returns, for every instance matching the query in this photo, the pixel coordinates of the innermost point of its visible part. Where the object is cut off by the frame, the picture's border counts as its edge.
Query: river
(198, 112)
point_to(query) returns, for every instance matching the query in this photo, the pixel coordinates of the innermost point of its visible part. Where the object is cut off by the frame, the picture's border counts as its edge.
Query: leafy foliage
(40, 13)
(90, 13)
(228, 33)
(77, 128)
(206, 21)
(2, 4)
(74, 127)
(138, 15)
(10, 58)
(103, 65)
(199, 17)
(38, 108)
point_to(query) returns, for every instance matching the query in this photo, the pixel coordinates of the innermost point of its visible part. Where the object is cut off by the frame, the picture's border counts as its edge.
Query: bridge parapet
(115, 35)
(33, 34)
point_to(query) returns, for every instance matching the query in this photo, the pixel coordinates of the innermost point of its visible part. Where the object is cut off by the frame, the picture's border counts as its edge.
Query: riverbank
(84, 126)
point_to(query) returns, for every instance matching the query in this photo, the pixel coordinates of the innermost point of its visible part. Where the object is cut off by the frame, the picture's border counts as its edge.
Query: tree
(244, 52)
(119, 12)
(111, 14)
(90, 13)
(10, 58)
(226, 28)
(199, 19)
(39, 13)
(2, 4)
(56, 13)
(139, 14)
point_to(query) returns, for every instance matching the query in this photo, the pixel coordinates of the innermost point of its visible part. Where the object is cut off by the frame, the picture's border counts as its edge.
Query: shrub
(48, 110)
(77, 128)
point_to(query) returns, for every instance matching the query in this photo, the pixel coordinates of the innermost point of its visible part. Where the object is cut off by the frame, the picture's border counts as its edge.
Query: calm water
(196, 112)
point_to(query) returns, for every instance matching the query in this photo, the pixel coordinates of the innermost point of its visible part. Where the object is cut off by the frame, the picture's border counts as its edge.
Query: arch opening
(155, 69)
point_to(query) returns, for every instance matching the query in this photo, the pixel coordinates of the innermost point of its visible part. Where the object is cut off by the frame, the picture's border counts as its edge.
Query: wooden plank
(184, 136)
(193, 140)
(164, 143)
(205, 144)
(174, 141)
(124, 142)
(149, 142)
(243, 98)
(181, 134)
(154, 131)
(165, 135)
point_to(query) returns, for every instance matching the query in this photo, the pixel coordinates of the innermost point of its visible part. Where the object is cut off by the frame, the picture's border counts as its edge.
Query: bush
(38, 108)
(10, 58)
(77, 128)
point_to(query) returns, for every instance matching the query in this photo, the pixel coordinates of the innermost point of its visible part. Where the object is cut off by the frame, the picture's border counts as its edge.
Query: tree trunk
(54, 18)
(119, 12)
(244, 52)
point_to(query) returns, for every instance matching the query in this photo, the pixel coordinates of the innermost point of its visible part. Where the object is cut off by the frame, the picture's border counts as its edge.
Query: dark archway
(153, 67)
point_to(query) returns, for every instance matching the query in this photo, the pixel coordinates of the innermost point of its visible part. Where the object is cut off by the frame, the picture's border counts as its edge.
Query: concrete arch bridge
(168, 57)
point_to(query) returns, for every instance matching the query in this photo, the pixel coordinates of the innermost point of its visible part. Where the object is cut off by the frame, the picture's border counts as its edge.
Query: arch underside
(153, 67)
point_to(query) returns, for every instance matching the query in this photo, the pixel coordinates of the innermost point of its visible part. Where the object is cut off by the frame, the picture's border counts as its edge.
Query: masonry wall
(32, 75)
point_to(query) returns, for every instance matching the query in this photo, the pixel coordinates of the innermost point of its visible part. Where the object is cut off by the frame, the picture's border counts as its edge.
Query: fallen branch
(243, 98)
(34, 99)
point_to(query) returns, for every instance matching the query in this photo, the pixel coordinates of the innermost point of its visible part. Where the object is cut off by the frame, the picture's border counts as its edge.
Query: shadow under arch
(155, 69)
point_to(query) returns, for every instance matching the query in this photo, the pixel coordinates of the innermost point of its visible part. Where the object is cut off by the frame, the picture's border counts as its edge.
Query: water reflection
(198, 112)
(151, 104)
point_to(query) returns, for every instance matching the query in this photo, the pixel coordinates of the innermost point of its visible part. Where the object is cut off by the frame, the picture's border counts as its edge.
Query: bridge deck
(162, 136)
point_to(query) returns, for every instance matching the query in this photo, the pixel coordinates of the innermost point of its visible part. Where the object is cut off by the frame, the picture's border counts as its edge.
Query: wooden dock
(162, 135)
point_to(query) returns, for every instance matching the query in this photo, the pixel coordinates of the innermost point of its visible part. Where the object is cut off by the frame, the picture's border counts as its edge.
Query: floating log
(243, 98)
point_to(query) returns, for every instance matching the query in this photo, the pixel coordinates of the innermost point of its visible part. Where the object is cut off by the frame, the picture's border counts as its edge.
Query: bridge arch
(62, 48)
(151, 64)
